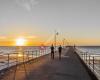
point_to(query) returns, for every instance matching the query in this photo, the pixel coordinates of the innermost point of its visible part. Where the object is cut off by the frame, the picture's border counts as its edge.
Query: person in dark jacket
(60, 51)
(52, 52)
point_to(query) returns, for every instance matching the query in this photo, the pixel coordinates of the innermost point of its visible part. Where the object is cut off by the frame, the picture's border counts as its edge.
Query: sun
(20, 41)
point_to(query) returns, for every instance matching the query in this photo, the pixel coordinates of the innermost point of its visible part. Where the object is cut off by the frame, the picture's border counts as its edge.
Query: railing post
(89, 60)
(82, 55)
(93, 63)
(8, 59)
(46, 51)
(40, 53)
(86, 57)
(28, 56)
(14, 78)
(43, 52)
(17, 59)
(36, 53)
(23, 57)
(32, 55)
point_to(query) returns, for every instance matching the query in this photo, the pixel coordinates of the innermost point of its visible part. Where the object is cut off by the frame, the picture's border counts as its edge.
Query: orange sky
(36, 41)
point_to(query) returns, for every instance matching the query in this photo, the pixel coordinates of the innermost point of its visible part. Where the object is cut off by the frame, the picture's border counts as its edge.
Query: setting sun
(20, 41)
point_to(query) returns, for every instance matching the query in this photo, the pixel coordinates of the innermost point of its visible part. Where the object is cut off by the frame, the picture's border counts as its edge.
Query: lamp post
(55, 39)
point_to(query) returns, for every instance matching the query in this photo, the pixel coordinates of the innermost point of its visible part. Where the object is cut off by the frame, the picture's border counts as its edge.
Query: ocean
(8, 49)
(90, 49)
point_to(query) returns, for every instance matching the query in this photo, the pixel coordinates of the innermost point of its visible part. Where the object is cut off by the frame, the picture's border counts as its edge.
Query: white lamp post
(55, 39)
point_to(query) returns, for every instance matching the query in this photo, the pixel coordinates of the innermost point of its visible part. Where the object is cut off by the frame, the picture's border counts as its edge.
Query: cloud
(27, 4)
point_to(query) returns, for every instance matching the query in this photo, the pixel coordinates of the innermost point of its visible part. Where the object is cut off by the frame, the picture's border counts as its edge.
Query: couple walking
(53, 51)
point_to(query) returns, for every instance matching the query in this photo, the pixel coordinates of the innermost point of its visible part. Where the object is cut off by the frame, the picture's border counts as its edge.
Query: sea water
(90, 49)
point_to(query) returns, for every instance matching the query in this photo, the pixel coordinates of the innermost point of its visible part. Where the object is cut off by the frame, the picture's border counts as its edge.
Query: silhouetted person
(52, 52)
(60, 51)
(74, 46)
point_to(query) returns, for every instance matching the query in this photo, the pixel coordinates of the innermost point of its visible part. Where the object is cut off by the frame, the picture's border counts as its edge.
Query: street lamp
(55, 39)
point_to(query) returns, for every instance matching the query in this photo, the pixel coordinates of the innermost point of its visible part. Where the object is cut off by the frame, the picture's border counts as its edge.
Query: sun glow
(20, 55)
(20, 42)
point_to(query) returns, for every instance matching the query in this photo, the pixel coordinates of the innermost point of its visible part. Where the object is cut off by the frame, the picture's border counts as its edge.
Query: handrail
(9, 59)
(91, 60)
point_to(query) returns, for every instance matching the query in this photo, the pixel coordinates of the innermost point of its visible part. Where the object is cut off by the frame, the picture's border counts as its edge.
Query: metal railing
(92, 61)
(8, 60)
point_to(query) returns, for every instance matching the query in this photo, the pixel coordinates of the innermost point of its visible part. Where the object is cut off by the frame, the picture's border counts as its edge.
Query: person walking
(52, 52)
(60, 51)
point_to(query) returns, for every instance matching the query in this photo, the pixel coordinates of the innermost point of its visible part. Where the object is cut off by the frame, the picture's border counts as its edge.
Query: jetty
(70, 67)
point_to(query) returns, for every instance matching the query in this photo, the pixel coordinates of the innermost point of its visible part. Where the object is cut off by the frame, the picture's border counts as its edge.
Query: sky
(78, 21)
